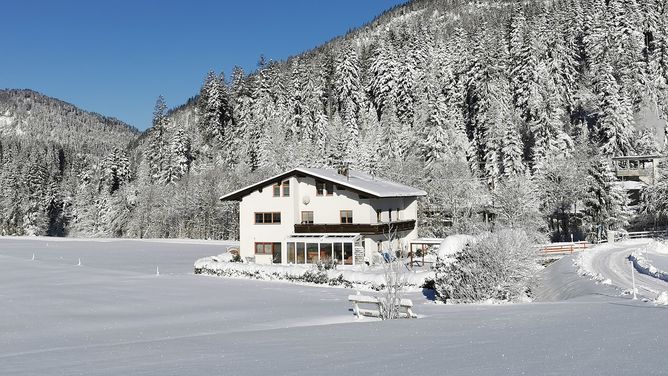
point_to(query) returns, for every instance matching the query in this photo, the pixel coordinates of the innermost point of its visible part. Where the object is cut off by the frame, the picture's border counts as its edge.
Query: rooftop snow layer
(355, 180)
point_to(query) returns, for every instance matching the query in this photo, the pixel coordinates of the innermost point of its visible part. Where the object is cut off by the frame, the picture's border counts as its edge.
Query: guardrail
(563, 248)
(646, 234)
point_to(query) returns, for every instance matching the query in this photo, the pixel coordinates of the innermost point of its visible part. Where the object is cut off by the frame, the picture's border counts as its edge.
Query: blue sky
(116, 57)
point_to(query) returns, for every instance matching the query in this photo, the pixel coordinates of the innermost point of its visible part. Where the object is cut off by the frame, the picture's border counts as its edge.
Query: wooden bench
(568, 248)
(405, 306)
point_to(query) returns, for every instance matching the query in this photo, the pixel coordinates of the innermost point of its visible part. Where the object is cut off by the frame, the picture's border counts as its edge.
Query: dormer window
(323, 188)
(319, 188)
(282, 188)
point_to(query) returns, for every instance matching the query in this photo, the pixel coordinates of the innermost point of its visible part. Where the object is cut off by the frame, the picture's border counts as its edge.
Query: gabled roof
(356, 181)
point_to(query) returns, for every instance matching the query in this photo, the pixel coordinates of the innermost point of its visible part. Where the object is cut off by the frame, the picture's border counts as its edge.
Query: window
(319, 188)
(286, 188)
(389, 213)
(338, 252)
(347, 253)
(277, 190)
(397, 214)
(346, 216)
(276, 256)
(307, 217)
(268, 218)
(301, 253)
(323, 188)
(325, 251)
(270, 249)
(379, 213)
(311, 253)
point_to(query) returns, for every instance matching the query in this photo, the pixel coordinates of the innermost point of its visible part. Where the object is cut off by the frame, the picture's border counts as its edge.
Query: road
(611, 262)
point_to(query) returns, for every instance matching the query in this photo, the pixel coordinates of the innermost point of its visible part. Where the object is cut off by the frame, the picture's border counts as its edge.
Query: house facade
(307, 215)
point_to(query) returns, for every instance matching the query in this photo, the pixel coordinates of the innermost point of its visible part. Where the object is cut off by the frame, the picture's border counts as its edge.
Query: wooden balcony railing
(360, 228)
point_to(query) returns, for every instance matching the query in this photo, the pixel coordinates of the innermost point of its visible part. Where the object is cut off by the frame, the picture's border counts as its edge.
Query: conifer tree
(605, 201)
(382, 80)
(157, 145)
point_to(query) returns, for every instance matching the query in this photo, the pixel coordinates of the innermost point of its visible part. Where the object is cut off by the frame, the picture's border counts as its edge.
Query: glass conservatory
(311, 248)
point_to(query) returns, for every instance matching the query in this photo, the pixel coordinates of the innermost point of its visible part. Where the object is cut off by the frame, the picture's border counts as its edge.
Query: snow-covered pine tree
(434, 137)
(242, 106)
(605, 201)
(512, 151)
(615, 120)
(297, 102)
(115, 170)
(157, 144)
(214, 108)
(181, 156)
(405, 91)
(382, 81)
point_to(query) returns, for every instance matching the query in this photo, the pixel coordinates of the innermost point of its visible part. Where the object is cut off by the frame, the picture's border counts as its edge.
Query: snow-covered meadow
(113, 315)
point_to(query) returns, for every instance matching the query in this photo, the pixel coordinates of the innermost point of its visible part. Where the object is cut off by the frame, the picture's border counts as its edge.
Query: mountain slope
(31, 115)
(53, 155)
(467, 100)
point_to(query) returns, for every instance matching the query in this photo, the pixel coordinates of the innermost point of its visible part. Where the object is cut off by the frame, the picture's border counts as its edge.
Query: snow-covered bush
(329, 264)
(499, 266)
(360, 277)
(395, 281)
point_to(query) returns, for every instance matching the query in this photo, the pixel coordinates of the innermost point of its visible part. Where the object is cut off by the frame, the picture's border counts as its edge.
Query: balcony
(355, 228)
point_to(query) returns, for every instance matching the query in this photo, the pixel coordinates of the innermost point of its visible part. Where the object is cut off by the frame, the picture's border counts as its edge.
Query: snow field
(114, 316)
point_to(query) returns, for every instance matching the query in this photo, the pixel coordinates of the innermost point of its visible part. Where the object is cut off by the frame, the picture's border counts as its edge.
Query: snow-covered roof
(630, 185)
(357, 181)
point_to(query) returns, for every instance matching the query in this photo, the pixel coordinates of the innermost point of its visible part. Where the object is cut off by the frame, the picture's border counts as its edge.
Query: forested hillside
(51, 155)
(498, 109)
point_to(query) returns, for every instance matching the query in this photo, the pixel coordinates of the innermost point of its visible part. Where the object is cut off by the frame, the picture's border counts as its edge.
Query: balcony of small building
(637, 167)
(356, 228)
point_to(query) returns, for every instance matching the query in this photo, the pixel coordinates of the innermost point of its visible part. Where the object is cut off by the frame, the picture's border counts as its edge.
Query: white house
(309, 214)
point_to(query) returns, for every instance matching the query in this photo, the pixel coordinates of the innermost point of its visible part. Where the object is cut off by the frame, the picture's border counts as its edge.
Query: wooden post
(423, 255)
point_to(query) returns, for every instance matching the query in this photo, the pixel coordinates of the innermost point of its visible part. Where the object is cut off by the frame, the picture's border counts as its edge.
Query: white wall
(264, 201)
(326, 210)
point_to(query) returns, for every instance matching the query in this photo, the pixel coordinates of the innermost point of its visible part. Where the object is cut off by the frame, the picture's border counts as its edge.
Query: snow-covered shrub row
(360, 277)
(644, 266)
(498, 266)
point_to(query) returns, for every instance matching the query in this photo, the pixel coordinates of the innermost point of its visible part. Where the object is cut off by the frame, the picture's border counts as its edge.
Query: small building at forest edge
(307, 215)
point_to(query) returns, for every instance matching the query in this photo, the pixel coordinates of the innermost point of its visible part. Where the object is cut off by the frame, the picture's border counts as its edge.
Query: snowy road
(114, 316)
(610, 261)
